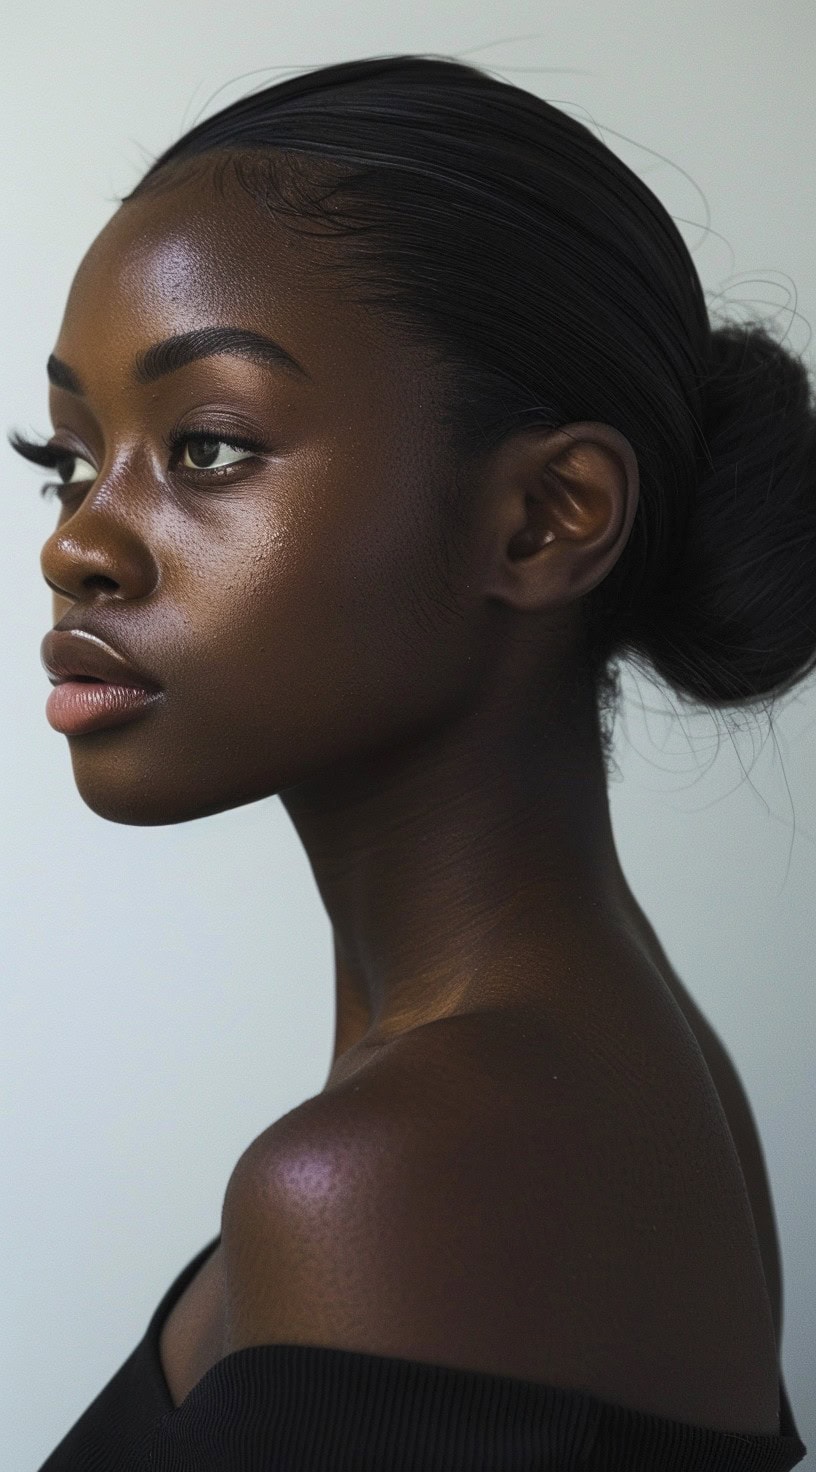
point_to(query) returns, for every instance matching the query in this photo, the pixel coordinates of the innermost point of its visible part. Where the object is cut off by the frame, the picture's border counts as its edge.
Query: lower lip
(74, 706)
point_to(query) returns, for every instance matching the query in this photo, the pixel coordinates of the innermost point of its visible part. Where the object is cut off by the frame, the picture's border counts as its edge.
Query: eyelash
(52, 456)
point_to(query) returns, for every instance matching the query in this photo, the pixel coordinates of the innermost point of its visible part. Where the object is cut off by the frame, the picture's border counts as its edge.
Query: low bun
(735, 618)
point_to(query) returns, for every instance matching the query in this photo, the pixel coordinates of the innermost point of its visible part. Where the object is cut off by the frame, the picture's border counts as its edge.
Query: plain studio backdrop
(168, 992)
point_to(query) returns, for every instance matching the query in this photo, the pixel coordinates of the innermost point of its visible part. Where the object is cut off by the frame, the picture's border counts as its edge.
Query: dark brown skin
(445, 777)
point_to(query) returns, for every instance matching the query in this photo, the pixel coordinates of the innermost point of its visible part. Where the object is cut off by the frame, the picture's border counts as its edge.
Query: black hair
(558, 288)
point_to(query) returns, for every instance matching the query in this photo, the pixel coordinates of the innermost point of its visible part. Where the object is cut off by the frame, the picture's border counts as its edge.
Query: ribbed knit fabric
(303, 1408)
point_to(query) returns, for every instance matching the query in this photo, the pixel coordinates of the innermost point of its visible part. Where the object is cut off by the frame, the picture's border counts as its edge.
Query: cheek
(332, 633)
(290, 643)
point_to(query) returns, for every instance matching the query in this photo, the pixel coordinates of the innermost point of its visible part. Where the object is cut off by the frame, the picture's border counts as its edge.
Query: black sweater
(306, 1408)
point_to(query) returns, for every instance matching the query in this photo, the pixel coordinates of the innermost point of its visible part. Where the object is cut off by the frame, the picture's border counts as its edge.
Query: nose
(80, 559)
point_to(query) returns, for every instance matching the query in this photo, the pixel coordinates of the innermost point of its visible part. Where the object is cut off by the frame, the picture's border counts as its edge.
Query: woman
(388, 416)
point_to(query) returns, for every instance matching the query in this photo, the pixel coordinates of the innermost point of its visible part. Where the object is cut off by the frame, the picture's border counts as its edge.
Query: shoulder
(389, 1215)
(458, 1202)
(394, 1109)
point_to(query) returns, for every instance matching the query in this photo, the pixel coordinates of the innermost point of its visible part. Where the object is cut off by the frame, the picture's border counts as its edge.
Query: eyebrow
(185, 347)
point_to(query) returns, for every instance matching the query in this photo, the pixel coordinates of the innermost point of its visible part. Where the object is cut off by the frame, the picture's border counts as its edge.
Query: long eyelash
(48, 455)
(53, 456)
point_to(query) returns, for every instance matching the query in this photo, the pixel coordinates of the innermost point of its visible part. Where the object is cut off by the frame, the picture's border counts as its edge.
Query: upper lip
(66, 653)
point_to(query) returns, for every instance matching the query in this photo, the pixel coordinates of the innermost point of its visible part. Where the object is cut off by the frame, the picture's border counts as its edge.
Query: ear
(561, 507)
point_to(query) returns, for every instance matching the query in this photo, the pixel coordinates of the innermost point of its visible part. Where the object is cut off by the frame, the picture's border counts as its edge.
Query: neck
(456, 872)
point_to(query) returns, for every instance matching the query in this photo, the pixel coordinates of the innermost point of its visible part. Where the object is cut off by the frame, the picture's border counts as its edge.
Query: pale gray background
(167, 992)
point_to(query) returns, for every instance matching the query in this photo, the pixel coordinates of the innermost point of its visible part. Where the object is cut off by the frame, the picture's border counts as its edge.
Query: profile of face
(290, 601)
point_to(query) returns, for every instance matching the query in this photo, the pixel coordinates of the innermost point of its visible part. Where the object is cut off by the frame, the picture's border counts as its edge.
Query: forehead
(193, 255)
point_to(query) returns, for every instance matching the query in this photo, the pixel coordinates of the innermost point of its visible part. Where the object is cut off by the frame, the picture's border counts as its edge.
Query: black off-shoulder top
(305, 1408)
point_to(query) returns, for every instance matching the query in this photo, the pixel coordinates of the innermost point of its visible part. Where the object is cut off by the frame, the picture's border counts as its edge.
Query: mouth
(95, 686)
(82, 658)
(81, 704)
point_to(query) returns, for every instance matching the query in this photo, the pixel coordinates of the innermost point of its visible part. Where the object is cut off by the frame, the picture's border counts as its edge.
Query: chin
(122, 787)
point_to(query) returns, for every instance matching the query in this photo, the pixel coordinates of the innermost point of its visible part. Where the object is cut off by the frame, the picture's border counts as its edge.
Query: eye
(205, 451)
(68, 461)
(206, 462)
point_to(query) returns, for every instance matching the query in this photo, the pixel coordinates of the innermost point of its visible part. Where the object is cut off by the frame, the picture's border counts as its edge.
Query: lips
(76, 654)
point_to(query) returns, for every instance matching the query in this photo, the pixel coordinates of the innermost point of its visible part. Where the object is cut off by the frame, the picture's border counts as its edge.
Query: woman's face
(293, 609)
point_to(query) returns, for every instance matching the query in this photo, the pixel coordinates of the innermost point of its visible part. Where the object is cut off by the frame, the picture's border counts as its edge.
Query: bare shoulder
(469, 1197)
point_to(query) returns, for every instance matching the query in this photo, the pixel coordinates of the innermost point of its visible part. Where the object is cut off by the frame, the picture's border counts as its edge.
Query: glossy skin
(423, 732)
